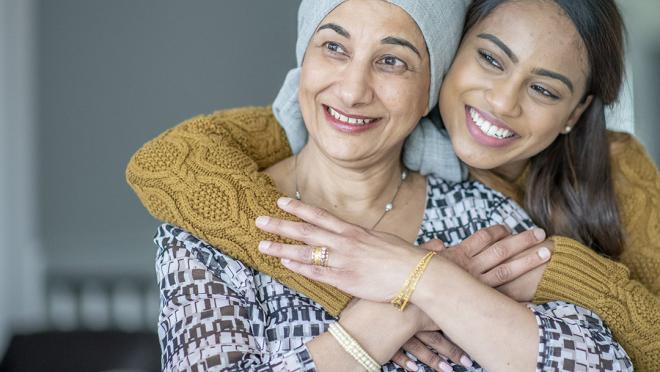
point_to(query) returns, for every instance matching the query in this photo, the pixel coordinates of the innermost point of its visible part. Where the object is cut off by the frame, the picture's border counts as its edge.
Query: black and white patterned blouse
(218, 314)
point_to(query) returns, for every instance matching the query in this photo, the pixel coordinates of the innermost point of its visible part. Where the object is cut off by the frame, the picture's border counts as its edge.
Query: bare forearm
(378, 328)
(501, 334)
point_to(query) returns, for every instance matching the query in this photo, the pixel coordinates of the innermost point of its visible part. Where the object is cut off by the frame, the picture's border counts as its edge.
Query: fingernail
(544, 253)
(539, 234)
(412, 365)
(262, 220)
(283, 201)
(264, 245)
(445, 367)
(286, 261)
(466, 362)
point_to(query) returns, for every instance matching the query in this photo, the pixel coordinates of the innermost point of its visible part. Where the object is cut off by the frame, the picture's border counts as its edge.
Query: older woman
(217, 312)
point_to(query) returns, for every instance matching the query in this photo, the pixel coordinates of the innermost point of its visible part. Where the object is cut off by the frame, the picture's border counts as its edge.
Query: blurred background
(84, 83)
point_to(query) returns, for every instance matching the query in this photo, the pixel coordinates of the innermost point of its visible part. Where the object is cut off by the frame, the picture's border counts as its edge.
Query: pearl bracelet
(353, 348)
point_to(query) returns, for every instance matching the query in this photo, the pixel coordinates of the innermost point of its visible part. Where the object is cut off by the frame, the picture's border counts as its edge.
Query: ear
(579, 110)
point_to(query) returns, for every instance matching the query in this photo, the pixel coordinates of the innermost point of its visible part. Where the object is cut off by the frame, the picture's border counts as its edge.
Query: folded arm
(218, 314)
(203, 175)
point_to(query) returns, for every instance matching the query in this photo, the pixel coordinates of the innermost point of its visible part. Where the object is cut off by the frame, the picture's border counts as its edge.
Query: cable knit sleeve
(625, 293)
(203, 175)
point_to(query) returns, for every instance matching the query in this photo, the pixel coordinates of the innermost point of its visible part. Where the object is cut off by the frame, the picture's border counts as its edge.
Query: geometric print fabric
(218, 314)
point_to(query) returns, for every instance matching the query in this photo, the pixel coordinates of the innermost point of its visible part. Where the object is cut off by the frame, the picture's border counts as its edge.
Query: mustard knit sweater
(203, 175)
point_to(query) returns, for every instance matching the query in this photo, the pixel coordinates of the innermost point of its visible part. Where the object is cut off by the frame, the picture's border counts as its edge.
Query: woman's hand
(365, 264)
(374, 265)
(514, 266)
(497, 259)
(491, 255)
(441, 349)
(523, 288)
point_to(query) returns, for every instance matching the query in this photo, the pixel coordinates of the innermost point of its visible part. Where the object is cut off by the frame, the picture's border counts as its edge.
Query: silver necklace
(388, 207)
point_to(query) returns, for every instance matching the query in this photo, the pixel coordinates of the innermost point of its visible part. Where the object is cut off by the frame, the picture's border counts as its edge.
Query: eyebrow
(537, 71)
(495, 40)
(554, 75)
(393, 40)
(399, 41)
(336, 28)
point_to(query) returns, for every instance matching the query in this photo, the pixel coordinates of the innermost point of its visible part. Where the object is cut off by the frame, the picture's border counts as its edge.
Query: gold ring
(320, 256)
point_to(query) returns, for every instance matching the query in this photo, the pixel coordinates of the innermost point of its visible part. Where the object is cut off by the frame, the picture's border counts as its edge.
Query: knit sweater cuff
(577, 274)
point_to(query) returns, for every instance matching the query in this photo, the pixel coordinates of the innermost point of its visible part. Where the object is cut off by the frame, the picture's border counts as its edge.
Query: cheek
(405, 98)
(546, 121)
(544, 128)
(457, 91)
(314, 79)
(448, 98)
(464, 77)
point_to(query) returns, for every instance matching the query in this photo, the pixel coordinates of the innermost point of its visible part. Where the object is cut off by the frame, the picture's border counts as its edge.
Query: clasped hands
(373, 265)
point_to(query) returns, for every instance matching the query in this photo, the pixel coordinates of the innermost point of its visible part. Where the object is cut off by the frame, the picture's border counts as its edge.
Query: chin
(482, 163)
(477, 157)
(341, 150)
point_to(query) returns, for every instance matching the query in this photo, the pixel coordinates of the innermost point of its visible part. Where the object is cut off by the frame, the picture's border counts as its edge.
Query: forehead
(375, 19)
(539, 33)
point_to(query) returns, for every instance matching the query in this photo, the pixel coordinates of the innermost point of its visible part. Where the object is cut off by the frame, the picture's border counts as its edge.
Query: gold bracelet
(401, 300)
(353, 348)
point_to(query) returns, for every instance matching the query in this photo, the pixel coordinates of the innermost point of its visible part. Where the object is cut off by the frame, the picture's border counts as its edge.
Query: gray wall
(83, 83)
(641, 18)
(20, 266)
(113, 74)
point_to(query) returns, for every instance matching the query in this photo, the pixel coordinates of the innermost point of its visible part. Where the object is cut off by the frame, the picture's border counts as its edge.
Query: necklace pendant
(389, 207)
(298, 196)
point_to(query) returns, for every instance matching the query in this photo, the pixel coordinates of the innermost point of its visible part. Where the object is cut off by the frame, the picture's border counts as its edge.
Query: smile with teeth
(347, 119)
(489, 128)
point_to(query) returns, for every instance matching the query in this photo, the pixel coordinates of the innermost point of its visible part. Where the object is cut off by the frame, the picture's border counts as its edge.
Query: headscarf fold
(427, 149)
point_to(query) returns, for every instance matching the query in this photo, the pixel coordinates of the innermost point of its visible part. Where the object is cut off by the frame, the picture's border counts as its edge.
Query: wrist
(353, 348)
(409, 287)
(425, 294)
(379, 328)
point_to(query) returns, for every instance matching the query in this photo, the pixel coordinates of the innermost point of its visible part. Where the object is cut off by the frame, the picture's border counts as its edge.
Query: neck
(511, 171)
(356, 192)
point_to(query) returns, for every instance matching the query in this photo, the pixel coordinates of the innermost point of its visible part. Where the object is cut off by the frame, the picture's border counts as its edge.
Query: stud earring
(567, 130)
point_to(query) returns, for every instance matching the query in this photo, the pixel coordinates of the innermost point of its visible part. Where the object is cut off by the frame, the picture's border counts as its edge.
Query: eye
(544, 92)
(334, 48)
(489, 59)
(392, 63)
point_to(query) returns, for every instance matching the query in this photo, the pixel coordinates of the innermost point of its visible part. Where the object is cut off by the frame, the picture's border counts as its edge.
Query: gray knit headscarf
(426, 150)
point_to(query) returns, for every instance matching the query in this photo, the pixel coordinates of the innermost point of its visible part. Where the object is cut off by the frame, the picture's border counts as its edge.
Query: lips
(488, 130)
(346, 119)
(349, 123)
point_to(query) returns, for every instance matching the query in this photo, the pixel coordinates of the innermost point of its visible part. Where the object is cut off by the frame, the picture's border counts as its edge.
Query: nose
(504, 98)
(355, 86)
